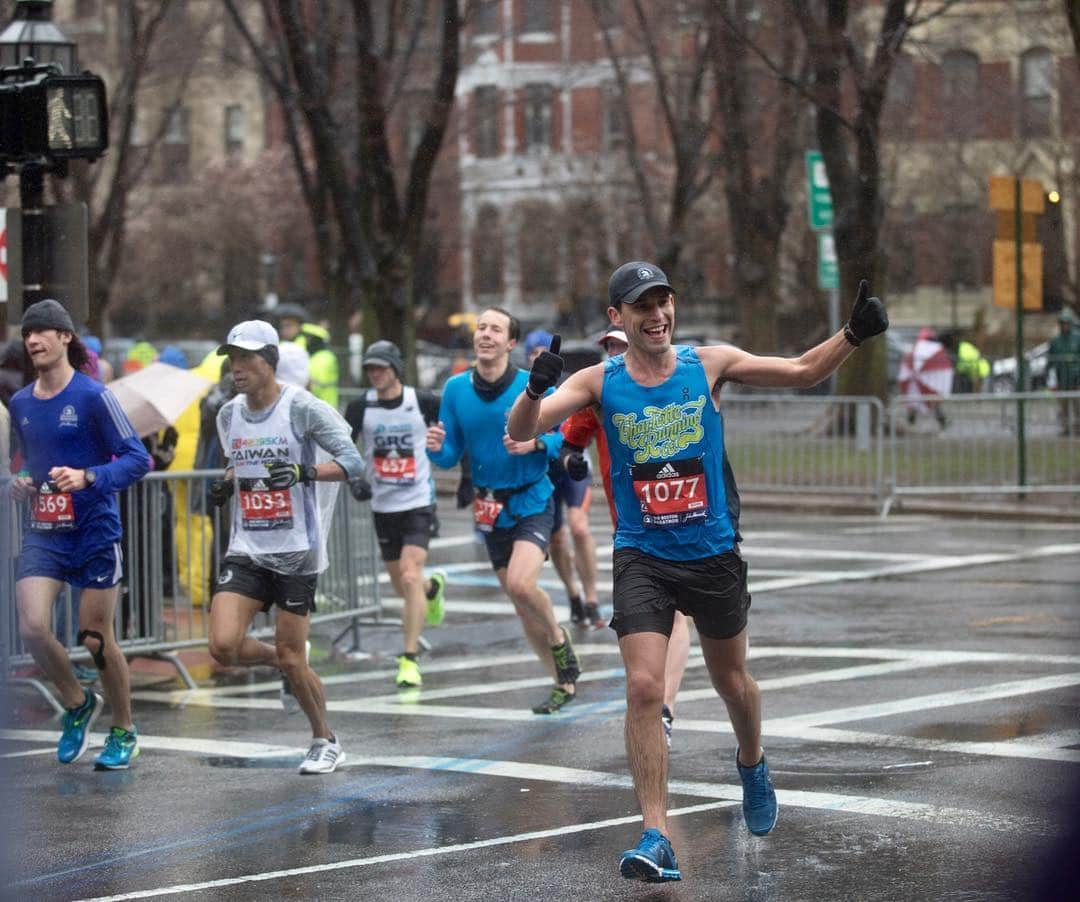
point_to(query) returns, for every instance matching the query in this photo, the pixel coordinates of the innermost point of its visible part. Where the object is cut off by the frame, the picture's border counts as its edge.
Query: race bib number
(397, 466)
(486, 511)
(671, 492)
(264, 508)
(51, 510)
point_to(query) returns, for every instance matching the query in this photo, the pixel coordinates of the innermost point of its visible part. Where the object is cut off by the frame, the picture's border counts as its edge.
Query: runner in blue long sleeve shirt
(514, 508)
(80, 449)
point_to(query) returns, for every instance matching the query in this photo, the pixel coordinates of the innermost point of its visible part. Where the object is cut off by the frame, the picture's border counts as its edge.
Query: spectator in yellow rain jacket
(971, 367)
(323, 364)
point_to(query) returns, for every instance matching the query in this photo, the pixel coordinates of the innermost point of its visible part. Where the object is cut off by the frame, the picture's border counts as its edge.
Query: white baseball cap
(250, 335)
(617, 334)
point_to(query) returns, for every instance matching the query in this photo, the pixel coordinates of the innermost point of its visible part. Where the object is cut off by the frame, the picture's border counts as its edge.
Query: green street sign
(817, 192)
(828, 268)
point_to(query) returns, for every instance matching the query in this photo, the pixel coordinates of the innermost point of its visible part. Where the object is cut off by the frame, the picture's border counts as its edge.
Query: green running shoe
(567, 666)
(436, 611)
(121, 748)
(556, 701)
(408, 672)
(77, 723)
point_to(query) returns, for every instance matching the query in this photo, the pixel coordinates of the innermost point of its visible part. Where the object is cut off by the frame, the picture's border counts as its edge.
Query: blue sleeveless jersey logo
(667, 451)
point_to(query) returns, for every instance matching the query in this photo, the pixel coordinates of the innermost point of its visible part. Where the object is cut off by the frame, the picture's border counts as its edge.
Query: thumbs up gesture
(546, 370)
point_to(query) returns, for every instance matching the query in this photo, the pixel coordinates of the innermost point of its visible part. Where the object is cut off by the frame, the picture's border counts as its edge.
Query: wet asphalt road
(920, 680)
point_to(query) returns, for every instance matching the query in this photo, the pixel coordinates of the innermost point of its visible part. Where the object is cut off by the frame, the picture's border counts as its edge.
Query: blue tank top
(667, 457)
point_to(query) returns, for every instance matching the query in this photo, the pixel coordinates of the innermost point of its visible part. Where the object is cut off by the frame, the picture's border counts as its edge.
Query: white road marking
(927, 702)
(726, 794)
(29, 753)
(924, 565)
(1033, 750)
(401, 856)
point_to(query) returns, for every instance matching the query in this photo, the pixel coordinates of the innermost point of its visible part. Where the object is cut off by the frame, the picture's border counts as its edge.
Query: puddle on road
(270, 763)
(1029, 723)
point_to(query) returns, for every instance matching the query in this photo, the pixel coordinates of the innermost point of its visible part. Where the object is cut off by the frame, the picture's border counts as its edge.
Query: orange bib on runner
(264, 508)
(671, 492)
(486, 511)
(51, 510)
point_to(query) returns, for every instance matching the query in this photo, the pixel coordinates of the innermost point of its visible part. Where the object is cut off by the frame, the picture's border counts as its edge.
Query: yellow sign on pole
(1003, 194)
(1005, 275)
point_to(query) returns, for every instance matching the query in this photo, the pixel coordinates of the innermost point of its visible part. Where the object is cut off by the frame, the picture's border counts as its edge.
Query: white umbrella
(155, 396)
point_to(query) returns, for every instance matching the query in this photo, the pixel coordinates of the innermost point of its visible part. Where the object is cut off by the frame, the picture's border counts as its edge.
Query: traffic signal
(1051, 232)
(51, 117)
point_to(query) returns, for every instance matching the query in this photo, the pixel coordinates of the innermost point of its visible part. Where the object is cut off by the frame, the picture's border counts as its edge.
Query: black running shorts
(412, 527)
(648, 591)
(535, 528)
(292, 592)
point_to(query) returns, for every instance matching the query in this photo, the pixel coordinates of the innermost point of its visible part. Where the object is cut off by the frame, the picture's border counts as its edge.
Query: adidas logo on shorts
(667, 471)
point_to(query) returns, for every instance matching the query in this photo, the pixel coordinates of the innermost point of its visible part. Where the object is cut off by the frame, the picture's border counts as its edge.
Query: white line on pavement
(401, 856)
(926, 702)
(727, 794)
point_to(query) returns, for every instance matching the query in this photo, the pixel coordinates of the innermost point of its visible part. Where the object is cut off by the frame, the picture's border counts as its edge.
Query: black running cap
(631, 280)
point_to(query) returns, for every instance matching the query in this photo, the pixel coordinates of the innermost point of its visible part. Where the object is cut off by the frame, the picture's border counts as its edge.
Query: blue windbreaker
(82, 427)
(477, 426)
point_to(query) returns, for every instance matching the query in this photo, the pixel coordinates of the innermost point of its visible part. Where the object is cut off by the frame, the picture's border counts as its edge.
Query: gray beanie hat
(384, 353)
(47, 314)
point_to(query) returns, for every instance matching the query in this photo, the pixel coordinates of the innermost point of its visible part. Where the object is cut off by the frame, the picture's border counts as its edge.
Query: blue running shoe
(759, 805)
(77, 723)
(121, 748)
(653, 861)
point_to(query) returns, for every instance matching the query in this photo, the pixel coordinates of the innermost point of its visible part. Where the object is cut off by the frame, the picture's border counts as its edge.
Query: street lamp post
(48, 114)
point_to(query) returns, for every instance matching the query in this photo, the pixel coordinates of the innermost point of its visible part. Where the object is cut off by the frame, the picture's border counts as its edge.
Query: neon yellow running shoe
(408, 672)
(435, 609)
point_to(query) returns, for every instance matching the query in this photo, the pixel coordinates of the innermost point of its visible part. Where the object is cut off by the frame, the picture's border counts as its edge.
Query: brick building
(988, 88)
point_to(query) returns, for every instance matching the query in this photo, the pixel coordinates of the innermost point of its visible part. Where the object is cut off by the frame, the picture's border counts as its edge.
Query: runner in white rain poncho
(284, 530)
(285, 453)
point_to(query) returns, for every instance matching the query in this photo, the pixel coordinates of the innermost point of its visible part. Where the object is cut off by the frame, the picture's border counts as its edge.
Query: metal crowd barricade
(970, 445)
(805, 444)
(173, 541)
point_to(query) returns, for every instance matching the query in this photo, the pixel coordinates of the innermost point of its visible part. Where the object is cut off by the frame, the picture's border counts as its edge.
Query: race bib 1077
(671, 492)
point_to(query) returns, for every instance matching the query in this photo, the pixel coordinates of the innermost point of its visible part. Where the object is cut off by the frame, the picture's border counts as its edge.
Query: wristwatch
(90, 476)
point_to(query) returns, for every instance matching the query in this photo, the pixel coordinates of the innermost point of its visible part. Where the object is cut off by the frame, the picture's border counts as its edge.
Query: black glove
(360, 488)
(282, 475)
(868, 317)
(466, 493)
(546, 370)
(577, 467)
(221, 491)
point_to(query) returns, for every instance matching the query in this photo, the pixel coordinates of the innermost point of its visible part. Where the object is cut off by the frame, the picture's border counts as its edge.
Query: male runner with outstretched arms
(674, 539)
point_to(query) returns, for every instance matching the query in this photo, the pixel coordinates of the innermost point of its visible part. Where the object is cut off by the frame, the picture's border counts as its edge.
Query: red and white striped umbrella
(925, 370)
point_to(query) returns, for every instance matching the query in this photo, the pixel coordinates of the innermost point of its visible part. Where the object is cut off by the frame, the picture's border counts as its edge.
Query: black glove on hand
(546, 370)
(577, 467)
(282, 475)
(466, 493)
(868, 317)
(360, 488)
(221, 491)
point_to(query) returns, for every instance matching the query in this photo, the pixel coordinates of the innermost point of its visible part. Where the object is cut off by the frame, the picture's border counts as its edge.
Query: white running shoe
(288, 700)
(323, 757)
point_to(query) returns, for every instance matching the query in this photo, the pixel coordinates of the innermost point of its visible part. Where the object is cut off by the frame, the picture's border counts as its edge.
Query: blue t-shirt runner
(82, 427)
